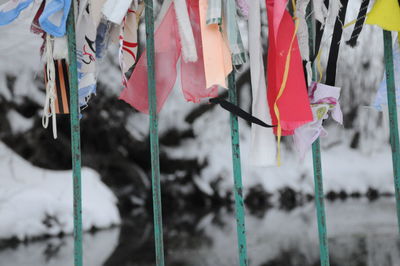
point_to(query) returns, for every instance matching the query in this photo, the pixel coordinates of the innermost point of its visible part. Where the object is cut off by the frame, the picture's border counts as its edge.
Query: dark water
(361, 233)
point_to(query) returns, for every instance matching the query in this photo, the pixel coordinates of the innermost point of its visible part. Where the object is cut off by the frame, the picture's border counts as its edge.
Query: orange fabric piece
(217, 57)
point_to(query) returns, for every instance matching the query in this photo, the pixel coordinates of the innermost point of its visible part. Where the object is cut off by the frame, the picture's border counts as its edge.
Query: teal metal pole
(394, 129)
(316, 153)
(237, 173)
(154, 145)
(319, 201)
(75, 137)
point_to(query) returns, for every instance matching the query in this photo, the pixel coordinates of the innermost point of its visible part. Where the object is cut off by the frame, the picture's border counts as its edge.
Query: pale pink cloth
(324, 100)
(167, 54)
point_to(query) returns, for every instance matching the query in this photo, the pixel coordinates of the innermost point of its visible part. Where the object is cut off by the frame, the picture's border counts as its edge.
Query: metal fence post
(154, 145)
(237, 174)
(75, 137)
(394, 129)
(316, 154)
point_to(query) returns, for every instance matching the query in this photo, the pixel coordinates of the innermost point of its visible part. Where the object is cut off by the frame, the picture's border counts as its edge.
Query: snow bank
(36, 202)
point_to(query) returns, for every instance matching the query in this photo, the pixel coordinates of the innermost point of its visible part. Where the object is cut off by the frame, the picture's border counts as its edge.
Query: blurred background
(196, 169)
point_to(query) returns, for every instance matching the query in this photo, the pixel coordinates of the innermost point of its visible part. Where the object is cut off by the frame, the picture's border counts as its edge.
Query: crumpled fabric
(263, 143)
(115, 11)
(128, 46)
(189, 52)
(243, 8)
(35, 27)
(167, 55)
(231, 30)
(54, 17)
(103, 37)
(320, 11)
(324, 101)
(302, 34)
(214, 12)
(10, 10)
(381, 95)
(294, 106)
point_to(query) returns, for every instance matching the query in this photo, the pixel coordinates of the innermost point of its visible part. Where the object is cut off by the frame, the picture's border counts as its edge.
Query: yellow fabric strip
(352, 22)
(283, 85)
(319, 66)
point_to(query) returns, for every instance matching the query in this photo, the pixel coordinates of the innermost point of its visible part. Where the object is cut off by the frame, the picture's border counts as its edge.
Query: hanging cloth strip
(54, 17)
(128, 39)
(287, 92)
(10, 10)
(385, 14)
(320, 11)
(103, 37)
(321, 14)
(335, 45)
(115, 11)
(217, 57)
(167, 53)
(86, 53)
(362, 14)
(231, 29)
(36, 29)
(61, 85)
(324, 100)
(49, 109)
(189, 52)
(381, 96)
(302, 34)
(263, 143)
(243, 8)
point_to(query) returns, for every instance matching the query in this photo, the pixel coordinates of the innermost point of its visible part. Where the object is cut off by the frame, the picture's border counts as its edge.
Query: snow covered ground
(36, 202)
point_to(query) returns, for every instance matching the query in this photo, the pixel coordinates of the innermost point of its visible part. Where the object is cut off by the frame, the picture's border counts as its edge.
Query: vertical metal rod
(316, 153)
(319, 201)
(237, 173)
(154, 145)
(75, 138)
(394, 129)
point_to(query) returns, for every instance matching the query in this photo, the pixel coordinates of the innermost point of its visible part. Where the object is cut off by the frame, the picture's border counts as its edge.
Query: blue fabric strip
(52, 7)
(6, 17)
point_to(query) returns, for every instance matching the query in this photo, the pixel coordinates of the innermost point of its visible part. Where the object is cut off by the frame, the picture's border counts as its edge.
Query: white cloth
(189, 52)
(324, 99)
(263, 143)
(115, 10)
(60, 48)
(302, 33)
(320, 11)
(86, 52)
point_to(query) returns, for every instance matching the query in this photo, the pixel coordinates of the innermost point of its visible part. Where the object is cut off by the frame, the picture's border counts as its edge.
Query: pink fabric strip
(167, 54)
